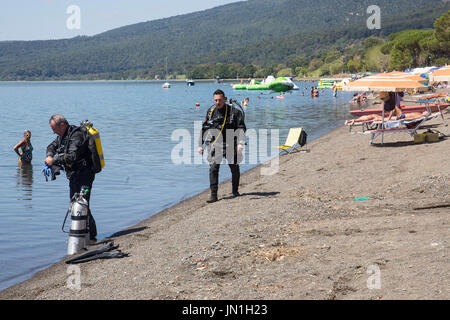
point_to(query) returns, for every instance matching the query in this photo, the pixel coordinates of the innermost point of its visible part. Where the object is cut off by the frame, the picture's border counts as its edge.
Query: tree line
(197, 48)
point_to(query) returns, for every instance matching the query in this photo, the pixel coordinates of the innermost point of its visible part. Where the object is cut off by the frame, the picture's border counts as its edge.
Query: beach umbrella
(399, 75)
(387, 83)
(442, 74)
(411, 76)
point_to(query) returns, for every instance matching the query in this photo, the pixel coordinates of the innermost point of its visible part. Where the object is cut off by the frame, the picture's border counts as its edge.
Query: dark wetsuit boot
(235, 176)
(213, 181)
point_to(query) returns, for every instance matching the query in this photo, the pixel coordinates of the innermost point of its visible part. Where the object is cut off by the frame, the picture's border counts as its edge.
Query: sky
(58, 19)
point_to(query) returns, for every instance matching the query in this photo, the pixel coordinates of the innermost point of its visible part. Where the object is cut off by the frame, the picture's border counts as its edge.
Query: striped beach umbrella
(442, 74)
(388, 83)
(384, 83)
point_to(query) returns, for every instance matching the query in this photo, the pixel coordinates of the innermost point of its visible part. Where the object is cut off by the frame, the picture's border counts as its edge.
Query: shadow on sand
(257, 194)
(125, 232)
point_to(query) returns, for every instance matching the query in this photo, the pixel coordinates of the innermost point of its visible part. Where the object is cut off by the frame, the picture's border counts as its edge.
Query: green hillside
(257, 32)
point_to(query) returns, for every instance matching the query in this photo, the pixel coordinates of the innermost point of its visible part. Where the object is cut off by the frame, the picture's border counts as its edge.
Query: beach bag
(302, 138)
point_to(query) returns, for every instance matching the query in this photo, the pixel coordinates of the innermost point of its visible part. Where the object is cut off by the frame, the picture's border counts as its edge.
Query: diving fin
(103, 248)
(103, 255)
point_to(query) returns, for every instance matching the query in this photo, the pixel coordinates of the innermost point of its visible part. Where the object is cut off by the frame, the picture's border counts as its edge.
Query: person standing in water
(26, 149)
(335, 89)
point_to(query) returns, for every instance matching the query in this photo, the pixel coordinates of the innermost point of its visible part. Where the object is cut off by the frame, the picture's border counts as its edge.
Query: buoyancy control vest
(94, 145)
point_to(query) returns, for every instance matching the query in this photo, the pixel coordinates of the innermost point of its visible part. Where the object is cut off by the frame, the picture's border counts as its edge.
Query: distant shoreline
(144, 80)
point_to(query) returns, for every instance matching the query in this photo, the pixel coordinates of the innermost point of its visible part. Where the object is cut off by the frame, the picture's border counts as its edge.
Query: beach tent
(384, 82)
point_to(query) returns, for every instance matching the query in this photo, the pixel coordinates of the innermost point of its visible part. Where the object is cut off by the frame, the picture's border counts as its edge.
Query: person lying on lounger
(376, 117)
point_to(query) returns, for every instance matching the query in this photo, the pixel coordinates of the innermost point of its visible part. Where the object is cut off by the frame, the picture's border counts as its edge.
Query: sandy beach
(298, 234)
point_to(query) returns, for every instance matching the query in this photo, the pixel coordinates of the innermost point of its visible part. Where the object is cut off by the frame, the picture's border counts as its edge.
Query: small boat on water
(405, 109)
(166, 84)
(190, 82)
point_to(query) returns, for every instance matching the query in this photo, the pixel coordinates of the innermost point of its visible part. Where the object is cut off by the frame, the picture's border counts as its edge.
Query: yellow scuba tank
(98, 144)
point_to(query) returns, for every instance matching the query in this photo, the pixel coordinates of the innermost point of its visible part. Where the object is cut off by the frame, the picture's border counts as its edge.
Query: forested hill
(145, 45)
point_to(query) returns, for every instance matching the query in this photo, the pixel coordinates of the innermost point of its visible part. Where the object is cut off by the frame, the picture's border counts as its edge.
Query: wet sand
(298, 234)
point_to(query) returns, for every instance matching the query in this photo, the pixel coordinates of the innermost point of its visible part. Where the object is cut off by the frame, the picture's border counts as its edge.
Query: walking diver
(70, 151)
(223, 131)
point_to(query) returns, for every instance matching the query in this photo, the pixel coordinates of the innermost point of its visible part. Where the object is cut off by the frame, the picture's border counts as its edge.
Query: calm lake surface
(137, 122)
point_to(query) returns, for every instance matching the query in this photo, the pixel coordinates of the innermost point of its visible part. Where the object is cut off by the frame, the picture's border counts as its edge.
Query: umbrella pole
(382, 123)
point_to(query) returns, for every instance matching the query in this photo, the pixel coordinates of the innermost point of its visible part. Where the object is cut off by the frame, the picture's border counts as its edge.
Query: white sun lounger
(395, 126)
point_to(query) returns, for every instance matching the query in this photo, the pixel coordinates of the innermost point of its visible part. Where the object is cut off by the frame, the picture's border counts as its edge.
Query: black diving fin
(103, 255)
(101, 252)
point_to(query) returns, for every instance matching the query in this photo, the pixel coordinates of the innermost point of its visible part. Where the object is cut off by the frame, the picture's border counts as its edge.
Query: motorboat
(166, 84)
(190, 82)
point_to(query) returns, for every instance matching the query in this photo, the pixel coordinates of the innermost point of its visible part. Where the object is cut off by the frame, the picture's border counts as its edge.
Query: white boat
(190, 82)
(166, 84)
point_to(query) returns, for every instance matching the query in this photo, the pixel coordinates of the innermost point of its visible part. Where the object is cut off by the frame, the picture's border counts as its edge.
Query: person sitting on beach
(26, 149)
(377, 117)
(390, 104)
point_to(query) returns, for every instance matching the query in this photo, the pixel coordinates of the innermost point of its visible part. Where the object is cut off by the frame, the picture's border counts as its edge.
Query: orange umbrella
(442, 74)
(398, 74)
(387, 83)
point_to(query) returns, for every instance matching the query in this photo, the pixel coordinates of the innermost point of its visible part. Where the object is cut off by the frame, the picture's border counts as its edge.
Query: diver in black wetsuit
(223, 131)
(70, 151)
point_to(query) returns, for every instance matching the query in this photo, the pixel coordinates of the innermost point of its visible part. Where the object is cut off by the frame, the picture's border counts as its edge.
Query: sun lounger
(296, 139)
(407, 126)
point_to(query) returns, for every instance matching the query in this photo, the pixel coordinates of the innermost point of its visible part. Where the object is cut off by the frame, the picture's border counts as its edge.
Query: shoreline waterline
(290, 235)
(127, 192)
(153, 216)
(312, 79)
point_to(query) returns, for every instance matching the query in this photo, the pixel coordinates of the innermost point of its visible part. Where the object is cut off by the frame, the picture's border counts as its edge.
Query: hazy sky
(50, 19)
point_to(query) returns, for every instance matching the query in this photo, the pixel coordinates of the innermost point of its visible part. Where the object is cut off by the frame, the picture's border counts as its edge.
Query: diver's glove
(46, 171)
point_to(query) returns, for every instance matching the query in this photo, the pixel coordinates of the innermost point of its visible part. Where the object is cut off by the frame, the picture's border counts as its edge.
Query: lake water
(136, 120)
